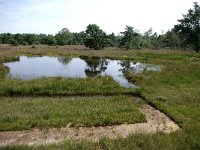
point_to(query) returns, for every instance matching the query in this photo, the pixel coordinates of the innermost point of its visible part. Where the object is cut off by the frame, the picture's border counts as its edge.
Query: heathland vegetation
(174, 90)
(57, 102)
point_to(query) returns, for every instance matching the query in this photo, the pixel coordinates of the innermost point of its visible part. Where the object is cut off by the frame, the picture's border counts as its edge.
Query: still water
(28, 68)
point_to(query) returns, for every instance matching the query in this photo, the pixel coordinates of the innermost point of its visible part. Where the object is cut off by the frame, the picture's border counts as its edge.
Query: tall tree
(50, 40)
(95, 37)
(64, 37)
(113, 40)
(147, 40)
(130, 38)
(6, 38)
(19, 38)
(78, 38)
(189, 27)
(30, 38)
(171, 40)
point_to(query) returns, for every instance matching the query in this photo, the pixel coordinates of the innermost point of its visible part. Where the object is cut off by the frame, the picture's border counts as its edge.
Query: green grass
(4, 69)
(19, 113)
(62, 86)
(57, 85)
(67, 145)
(175, 90)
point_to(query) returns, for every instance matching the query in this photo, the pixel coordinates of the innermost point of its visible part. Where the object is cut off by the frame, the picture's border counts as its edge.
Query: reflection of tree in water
(95, 66)
(64, 60)
(125, 64)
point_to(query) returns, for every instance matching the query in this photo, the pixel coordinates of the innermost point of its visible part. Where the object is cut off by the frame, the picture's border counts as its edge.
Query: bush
(33, 46)
(13, 42)
(24, 43)
(36, 42)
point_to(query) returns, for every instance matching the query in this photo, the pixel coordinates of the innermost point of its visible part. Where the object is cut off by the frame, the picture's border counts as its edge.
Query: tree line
(184, 35)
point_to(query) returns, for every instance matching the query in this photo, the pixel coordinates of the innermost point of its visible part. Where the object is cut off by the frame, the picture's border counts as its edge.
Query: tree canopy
(64, 37)
(130, 38)
(95, 37)
(189, 27)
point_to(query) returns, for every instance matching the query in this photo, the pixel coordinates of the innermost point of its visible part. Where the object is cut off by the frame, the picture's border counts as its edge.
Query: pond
(28, 68)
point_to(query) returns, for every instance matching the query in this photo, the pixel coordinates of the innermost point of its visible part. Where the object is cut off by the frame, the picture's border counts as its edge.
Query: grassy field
(175, 90)
(62, 86)
(44, 112)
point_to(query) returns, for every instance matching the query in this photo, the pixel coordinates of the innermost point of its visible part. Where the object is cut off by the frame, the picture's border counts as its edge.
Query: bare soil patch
(156, 122)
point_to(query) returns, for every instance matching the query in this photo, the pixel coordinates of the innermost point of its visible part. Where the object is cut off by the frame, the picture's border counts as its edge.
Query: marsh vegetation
(96, 81)
(44, 112)
(174, 90)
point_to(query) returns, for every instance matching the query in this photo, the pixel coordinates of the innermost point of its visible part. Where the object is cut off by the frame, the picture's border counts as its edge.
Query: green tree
(172, 40)
(64, 37)
(113, 40)
(130, 38)
(189, 27)
(147, 39)
(30, 38)
(157, 41)
(95, 37)
(13, 42)
(6, 38)
(1, 39)
(78, 38)
(43, 38)
(19, 38)
(50, 40)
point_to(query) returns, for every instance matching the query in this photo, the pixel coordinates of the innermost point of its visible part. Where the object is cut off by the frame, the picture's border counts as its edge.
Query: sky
(50, 16)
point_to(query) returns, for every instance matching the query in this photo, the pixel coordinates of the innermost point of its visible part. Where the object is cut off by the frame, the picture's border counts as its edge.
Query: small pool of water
(28, 68)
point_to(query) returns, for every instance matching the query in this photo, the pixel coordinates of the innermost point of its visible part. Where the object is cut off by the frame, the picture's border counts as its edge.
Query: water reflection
(36, 67)
(64, 60)
(95, 66)
(125, 64)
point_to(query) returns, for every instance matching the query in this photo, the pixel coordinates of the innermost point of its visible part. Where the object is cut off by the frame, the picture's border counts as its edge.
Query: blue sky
(50, 16)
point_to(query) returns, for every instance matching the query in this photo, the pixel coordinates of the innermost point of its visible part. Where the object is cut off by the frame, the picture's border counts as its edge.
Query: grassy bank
(26, 113)
(56, 85)
(63, 86)
(4, 69)
(176, 91)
